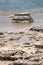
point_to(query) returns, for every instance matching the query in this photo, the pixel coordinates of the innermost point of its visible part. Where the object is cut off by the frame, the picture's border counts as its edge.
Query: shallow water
(6, 25)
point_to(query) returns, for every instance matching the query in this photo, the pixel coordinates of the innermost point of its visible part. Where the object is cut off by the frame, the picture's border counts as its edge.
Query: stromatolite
(22, 18)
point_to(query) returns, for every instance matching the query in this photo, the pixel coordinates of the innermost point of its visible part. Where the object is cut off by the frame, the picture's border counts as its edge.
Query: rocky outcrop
(22, 18)
(15, 49)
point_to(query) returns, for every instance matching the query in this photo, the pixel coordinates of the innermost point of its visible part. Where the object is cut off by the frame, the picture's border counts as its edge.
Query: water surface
(6, 23)
(20, 5)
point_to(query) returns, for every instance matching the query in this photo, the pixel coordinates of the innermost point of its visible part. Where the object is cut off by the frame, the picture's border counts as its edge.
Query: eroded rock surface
(22, 47)
(22, 18)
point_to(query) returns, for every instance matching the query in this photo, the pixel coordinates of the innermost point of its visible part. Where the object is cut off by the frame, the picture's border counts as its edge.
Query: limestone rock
(36, 28)
(22, 18)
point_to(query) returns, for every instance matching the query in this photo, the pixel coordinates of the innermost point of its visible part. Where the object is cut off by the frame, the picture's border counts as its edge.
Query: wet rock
(22, 18)
(38, 29)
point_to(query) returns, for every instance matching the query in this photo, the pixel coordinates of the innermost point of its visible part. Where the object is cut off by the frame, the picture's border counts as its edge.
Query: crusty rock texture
(22, 47)
(22, 18)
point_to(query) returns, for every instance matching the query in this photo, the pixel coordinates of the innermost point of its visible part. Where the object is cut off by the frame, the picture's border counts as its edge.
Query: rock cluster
(15, 50)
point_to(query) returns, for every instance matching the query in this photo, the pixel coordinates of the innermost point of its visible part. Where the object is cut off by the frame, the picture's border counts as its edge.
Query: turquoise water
(18, 5)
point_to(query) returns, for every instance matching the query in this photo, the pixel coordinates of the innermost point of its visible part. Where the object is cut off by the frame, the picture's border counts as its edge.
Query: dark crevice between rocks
(21, 32)
(12, 58)
(8, 58)
(39, 46)
(27, 58)
(26, 43)
(38, 30)
(11, 39)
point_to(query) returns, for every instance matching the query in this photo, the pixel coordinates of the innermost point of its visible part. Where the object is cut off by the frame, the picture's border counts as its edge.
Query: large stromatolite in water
(22, 18)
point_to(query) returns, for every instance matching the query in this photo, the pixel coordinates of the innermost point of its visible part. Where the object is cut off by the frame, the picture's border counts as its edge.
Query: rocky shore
(15, 51)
